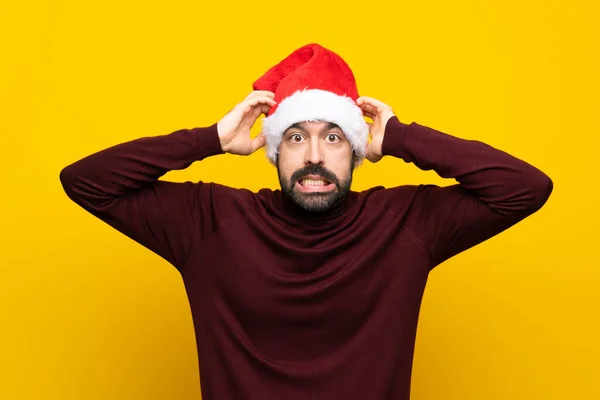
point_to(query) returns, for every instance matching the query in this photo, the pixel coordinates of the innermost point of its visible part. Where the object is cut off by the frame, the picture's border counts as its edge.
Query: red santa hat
(312, 84)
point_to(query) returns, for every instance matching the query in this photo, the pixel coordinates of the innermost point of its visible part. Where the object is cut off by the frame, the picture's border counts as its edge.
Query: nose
(314, 153)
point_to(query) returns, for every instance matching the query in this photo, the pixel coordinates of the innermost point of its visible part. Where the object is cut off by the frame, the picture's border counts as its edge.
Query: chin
(315, 202)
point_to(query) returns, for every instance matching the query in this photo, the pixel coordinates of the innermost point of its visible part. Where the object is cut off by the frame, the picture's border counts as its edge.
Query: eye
(332, 138)
(296, 138)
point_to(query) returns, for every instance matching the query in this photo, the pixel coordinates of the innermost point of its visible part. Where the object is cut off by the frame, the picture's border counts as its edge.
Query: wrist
(225, 147)
(222, 141)
(394, 138)
(208, 142)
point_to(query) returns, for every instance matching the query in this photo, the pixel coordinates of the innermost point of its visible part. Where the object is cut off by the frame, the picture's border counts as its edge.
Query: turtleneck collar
(294, 211)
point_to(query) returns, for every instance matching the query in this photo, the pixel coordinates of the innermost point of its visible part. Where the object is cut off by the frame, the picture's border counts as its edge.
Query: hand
(234, 128)
(380, 113)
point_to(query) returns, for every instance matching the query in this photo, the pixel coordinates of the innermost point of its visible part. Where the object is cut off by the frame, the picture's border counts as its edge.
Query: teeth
(313, 182)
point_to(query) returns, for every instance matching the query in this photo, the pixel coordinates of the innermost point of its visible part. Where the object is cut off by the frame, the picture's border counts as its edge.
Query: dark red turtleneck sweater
(290, 305)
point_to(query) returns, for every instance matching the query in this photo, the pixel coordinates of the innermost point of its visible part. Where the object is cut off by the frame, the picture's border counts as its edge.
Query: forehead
(314, 126)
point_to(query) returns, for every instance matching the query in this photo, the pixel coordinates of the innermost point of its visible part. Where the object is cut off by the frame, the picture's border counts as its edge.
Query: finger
(249, 119)
(368, 110)
(369, 115)
(364, 100)
(370, 124)
(376, 104)
(371, 156)
(264, 109)
(368, 154)
(258, 142)
(247, 105)
(256, 112)
(256, 93)
(254, 101)
(368, 107)
(368, 100)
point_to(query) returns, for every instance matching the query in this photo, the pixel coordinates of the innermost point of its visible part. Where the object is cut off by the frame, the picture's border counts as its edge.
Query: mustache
(315, 169)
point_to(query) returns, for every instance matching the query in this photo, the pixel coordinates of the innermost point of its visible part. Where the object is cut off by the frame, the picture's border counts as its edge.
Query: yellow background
(89, 314)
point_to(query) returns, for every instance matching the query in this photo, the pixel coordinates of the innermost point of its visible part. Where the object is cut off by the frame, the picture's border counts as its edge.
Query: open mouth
(315, 184)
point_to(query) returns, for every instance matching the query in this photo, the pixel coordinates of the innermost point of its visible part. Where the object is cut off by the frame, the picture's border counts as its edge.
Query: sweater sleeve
(495, 190)
(120, 185)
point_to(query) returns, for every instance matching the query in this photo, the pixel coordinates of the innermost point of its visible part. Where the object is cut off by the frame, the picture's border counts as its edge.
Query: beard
(316, 201)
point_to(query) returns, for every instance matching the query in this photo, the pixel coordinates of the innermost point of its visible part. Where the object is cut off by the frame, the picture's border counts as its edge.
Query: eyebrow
(298, 125)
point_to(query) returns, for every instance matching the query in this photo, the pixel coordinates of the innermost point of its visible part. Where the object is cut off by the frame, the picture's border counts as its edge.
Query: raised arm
(121, 186)
(495, 190)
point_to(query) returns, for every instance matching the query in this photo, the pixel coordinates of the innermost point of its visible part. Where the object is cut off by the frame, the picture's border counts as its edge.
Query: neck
(335, 210)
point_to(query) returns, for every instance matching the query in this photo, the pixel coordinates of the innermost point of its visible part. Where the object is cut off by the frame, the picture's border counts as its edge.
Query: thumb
(259, 141)
(371, 157)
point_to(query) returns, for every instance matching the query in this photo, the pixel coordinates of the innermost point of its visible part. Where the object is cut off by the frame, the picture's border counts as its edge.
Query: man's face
(315, 164)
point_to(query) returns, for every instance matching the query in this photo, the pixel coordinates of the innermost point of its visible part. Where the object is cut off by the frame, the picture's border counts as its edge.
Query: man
(312, 291)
